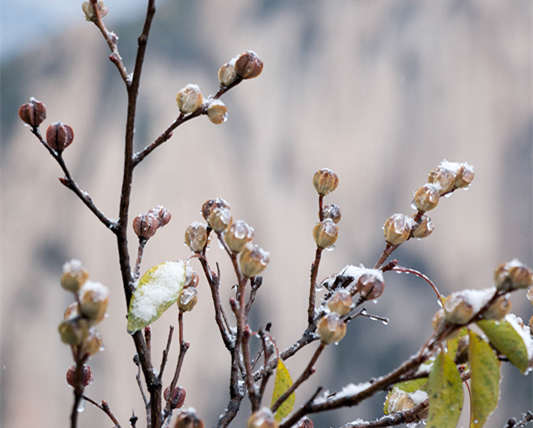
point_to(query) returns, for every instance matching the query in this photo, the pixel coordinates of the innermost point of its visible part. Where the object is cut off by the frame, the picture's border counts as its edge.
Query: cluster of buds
(262, 418)
(326, 230)
(145, 225)
(348, 282)
(188, 419)
(245, 66)
(513, 275)
(89, 12)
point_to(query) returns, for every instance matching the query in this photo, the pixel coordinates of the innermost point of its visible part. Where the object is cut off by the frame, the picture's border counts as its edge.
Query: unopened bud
(188, 419)
(305, 422)
(176, 398)
(219, 219)
(397, 228)
(94, 298)
(465, 176)
(85, 376)
(88, 10)
(74, 275)
(399, 401)
(521, 276)
(71, 311)
(33, 113)
(187, 299)
(191, 280)
(331, 328)
(423, 228)
(427, 197)
(253, 260)
(457, 309)
(443, 178)
(189, 99)
(217, 112)
(325, 181)
(211, 204)
(340, 302)
(238, 235)
(262, 418)
(72, 332)
(59, 136)
(325, 233)
(145, 225)
(227, 73)
(512, 275)
(498, 309)
(333, 212)
(438, 321)
(93, 342)
(370, 286)
(248, 65)
(161, 214)
(196, 237)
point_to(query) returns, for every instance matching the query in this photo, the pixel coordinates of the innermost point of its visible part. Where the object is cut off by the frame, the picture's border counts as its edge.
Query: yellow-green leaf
(282, 383)
(408, 386)
(445, 390)
(485, 379)
(453, 343)
(156, 291)
(507, 340)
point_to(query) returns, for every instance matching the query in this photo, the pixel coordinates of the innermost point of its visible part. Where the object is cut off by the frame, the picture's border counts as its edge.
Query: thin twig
(165, 352)
(140, 250)
(403, 269)
(139, 383)
(105, 408)
(416, 414)
(312, 287)
(389, 248)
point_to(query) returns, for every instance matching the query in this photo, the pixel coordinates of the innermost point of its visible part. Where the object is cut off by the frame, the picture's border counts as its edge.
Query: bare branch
(416, 414)
(105, 408)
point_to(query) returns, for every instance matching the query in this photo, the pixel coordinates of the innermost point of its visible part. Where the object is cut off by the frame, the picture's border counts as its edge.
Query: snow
(475, 298)
(418, 396)
(349, 390)
(101, 292)
(73, 266)
(524, 332)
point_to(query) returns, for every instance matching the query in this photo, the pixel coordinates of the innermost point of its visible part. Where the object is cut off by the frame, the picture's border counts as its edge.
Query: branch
(166, 351)
(413, 415)
(389, 248)
(424, 277)
(524, 420)
(105, 408)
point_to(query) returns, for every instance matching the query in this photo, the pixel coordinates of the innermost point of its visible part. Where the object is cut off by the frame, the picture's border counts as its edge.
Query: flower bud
(530, 294)
(217, 112)
(325, 233)
(521, 276)
(427, 197)
(438, 321)
(370, 286)
(161, 214)
(93, 342)
(59, 136)
(145, 225)
(72, 332)
(71, 311)
(196, 237)
(305, 422)
(253, 260)
(191, 280)
(443, 178)
(465, 176)
(177, 398)
(227, 73)
(189, 99)
(94, 298)
(86, 376)
(211, 204)
(262, 418)
(340, 302)
(88, 10)
(498, 309)
(423, 228)
(188, 299)
(399, 401)
(248, 65)
(325, 181)
(457, 309)
(331, 328)
(238, 235)
(33, 113)
(333, 212)
(188, 419)
(397, 229)
(513, 275)
(74, 275)
(219, 219)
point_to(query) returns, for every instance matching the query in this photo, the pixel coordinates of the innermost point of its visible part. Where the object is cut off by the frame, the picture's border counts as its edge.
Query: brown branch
(412, 415)
(165, 352)
(389, 248)
(140, 250)
(524, 420)
(312, 287)
(105, 408)
(139, 383)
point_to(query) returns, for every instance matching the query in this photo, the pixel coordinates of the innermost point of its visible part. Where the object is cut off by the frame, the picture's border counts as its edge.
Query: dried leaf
(282, 383)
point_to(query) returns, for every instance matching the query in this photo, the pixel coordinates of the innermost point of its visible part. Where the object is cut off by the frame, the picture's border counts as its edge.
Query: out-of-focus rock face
(380, 92)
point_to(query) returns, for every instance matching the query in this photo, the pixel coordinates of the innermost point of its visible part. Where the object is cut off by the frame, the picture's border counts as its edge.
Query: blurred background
(379, 91)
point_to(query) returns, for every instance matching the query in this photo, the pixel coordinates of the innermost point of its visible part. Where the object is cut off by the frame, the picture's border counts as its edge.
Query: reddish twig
(424, 277)
(105, 408)
(165, 352)
(408, 416)
(312, 287)
(389, 248)
(140, 250)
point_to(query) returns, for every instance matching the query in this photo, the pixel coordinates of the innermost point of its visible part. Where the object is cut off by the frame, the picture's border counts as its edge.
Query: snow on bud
(438, 321)
(188, 299)
(331, 328)
(399, 401)
(217, 112)
(189, 99)
(427, 197)
(188, 419)
(333, 212)
(191, 279)
(145, 225)
(370, 286)
(176, 398)
(442, 177)
(74, 276)
(86, 376)
(219, 219)
(262, 418)
(397, 228)
(340, 302)
(93, 342)
(465, 176)
(325, 181)
(94, 298)
(161, 214)
(248, 65)
(498, 309)
(33, 113)
(73, 331)
(59, 136)
(423, 228)
(253, 260)
(325, 233)
(227, 73)
(512, 275)
(238, 235)
(211, 204)
(196, 237)
(88, 10)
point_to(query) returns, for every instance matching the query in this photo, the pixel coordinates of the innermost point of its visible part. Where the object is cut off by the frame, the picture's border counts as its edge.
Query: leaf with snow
(409, 386)
(511, 338)
(156, 291)
(484, 381)
(282, 383)
(445, 390)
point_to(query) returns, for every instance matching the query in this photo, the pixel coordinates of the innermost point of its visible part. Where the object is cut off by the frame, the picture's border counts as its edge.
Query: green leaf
(485, 379)
(445, 390)
(452, 344)
(282, 383)
(408, 386)
(507, 340)
(156, 291)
